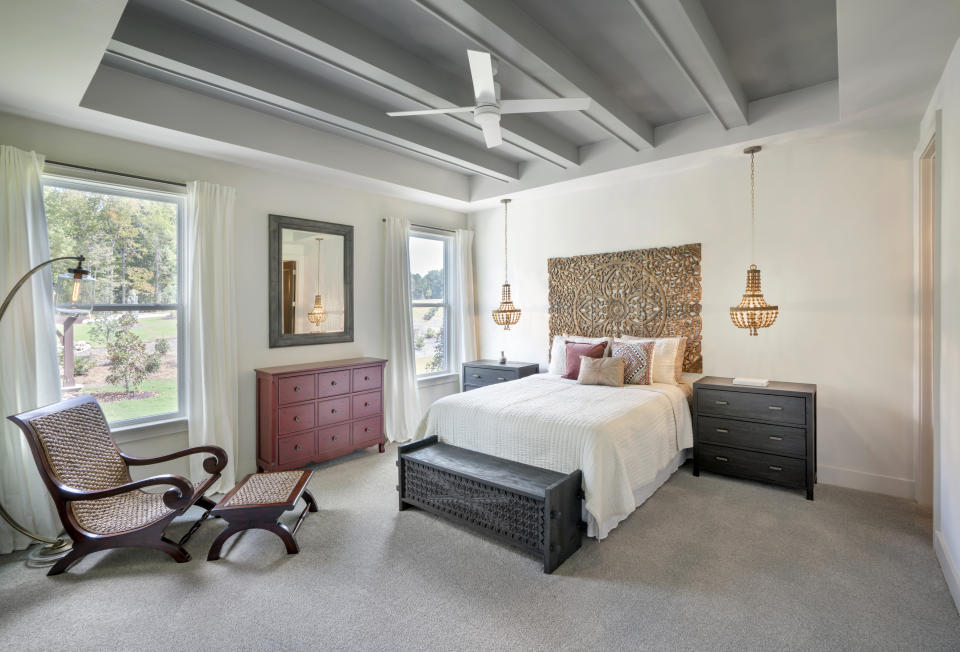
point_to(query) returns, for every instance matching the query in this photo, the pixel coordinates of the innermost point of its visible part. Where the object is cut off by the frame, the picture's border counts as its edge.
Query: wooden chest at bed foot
(534, 509)
(768, 434)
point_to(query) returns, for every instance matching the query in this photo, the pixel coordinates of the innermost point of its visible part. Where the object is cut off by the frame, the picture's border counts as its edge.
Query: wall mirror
(311, 282)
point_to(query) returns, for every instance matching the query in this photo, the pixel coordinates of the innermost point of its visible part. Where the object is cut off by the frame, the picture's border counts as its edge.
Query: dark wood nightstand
(761, 433)
(480, 373)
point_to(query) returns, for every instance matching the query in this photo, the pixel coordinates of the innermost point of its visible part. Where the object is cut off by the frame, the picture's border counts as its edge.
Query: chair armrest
(211, 465)
(179, 497)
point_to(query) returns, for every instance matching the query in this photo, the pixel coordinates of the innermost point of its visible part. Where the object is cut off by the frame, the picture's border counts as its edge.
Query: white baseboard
(947, 566)
(879, 484)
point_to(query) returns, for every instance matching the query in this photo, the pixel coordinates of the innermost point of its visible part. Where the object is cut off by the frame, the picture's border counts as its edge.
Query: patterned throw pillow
(637, 361)
(577, 349)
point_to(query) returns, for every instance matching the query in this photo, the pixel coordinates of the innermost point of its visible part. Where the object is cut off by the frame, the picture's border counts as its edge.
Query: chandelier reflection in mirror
(318, 314)
(506, 314)
(753, 312)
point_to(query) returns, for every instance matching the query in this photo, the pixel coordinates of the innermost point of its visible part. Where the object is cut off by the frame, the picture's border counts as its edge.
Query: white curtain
(402, 409)
(464, 318)
(30, 376)
(211, 317)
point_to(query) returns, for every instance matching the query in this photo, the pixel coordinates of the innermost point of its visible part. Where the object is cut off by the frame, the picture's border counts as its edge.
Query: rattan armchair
(89, 479)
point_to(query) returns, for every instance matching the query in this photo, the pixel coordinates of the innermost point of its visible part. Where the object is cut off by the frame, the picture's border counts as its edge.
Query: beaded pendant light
(507, 314)
(753, 312)
(318, 314)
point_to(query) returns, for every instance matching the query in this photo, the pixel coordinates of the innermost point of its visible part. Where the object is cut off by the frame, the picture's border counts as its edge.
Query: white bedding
(623, 438)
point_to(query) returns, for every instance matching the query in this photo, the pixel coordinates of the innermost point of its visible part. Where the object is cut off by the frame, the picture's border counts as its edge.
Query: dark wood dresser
(480, 373)
(761, 433)
(317, 411)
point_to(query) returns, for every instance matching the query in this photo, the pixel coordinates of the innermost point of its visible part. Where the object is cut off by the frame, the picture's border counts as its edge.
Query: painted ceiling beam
(685, 32)
(518, 40)
(339, 42)
(180, 55)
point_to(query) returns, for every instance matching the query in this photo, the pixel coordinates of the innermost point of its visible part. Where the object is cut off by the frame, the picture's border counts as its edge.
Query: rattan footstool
(258, 501)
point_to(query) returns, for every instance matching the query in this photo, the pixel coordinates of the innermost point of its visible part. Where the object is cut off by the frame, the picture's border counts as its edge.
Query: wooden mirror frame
(277, 337)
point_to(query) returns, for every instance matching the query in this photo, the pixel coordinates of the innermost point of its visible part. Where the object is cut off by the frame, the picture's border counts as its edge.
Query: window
(126, 352)
(430, 301)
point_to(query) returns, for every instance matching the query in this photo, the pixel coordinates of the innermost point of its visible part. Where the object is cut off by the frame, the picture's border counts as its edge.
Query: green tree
(436, 362)
(128, 356)
(103, 327)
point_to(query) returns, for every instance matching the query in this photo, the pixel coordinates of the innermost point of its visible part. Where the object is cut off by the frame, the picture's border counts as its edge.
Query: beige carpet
(707, 563)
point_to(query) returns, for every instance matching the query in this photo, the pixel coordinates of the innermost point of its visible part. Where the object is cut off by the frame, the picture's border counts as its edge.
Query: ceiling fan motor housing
(486, 114)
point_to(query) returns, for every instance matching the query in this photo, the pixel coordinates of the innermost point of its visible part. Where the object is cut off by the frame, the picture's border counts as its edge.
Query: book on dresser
(767, 433)
(317, 411)
(481, 373)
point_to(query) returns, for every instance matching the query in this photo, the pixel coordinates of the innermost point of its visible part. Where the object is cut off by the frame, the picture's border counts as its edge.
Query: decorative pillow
(667, 357)
(638, 361)
(558, 351)
(577, 349)
(601, 371)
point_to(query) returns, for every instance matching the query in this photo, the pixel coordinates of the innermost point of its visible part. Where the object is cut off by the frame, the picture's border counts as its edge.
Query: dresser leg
(810, 493)
(382, 447)
(696, 467)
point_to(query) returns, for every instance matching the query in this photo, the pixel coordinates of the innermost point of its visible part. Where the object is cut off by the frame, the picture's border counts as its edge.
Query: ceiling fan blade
(541, 106)
(455, 109)
(481, 70)
(491, 134)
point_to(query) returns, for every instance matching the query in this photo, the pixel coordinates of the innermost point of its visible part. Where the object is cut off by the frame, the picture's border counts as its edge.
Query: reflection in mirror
(312, 283)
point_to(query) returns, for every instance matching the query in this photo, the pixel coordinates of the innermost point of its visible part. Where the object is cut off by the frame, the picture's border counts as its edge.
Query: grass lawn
(164, 401)
(148, 329)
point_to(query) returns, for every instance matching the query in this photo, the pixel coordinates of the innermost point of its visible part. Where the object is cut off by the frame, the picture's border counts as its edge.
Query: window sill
(139, 431)
(439, 379)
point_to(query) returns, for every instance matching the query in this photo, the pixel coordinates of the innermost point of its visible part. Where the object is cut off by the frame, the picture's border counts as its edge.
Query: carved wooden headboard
(644, 292)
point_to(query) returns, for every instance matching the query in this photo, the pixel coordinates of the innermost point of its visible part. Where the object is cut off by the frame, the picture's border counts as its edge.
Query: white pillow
(558, 351)
(667, 357)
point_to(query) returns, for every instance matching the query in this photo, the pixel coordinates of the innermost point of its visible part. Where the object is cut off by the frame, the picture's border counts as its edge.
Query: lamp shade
(753, 311)
(73, 293)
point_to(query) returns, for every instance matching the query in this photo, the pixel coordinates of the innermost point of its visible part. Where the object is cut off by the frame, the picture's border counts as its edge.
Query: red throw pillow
(575, 350)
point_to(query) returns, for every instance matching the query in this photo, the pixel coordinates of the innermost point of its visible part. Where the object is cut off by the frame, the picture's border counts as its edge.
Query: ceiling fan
(489, 107)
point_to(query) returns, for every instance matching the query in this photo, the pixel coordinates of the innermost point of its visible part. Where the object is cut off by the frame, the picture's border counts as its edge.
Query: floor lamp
(73, 295)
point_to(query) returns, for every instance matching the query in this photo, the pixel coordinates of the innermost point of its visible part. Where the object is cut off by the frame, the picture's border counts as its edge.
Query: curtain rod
(424, 226)
(118, 174)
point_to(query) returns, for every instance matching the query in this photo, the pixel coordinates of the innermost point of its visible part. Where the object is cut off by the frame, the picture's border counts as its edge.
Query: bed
(626, 440)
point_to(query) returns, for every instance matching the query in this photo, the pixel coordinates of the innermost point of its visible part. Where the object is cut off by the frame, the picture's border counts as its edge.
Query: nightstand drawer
(763, 407)
(781, 440)
(748, 464)
(481, 376)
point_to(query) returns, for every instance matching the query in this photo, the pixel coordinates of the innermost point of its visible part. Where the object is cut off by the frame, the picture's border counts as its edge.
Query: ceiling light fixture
(506, 314)
(318, 314)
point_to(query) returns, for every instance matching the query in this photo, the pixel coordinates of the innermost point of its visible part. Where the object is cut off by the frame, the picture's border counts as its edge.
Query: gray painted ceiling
(339, 66)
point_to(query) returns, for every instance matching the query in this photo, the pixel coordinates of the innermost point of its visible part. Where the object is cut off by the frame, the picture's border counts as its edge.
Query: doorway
(289, 292)
(928, 387)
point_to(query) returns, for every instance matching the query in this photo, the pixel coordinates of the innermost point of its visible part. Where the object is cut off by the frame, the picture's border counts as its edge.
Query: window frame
(149, 193)
(446, 238)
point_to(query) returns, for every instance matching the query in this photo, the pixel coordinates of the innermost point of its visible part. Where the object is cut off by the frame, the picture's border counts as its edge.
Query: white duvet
(622, 438)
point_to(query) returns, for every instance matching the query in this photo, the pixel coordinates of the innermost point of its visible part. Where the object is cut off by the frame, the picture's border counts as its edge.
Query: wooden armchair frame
(181, 495)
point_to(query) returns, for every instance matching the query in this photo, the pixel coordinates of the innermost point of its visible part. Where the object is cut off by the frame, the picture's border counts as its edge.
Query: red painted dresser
(317, 411)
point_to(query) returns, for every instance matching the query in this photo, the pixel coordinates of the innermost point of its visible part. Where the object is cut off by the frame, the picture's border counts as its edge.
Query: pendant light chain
(753, 208)
(505, 275)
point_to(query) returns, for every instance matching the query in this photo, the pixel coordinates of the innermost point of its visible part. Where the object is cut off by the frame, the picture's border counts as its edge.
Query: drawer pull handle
(366, 377)
(298, 447)
(334, 438)
(722, 430)
(333, 411)
(775, 408)
(721, 402)
(476, 375)
(775, 438)
(776, 468)
(501, 379)
(297, 418)
(366, 429)
(297, 388)
(721, 459)
(366, 404)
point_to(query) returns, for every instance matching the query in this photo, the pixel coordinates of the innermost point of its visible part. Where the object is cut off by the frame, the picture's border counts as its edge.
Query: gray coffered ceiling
(302, 79)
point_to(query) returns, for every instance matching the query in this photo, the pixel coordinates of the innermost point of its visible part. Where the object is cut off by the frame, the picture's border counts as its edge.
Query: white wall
(836, 251)
(259, 193)
(946, 102)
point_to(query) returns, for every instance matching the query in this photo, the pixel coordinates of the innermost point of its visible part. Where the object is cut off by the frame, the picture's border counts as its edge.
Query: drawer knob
(721, 402)
(476, 375)
(721, 459)
(775, 468)
(775, 438)
(722, 430)
(775, 408)
(298, 447)
(297, 388)
(366, 377)
(297, 418)
(366, 404)
(366, 429)
(334, 438)
(333, 411)
(333, 382)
